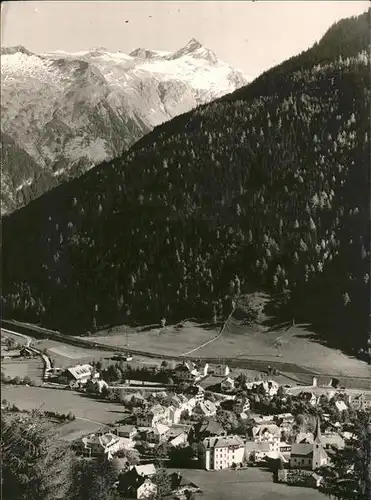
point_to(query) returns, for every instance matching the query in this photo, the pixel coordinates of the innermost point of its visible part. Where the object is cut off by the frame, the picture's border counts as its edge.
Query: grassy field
(297, 347)
(67, 355)
(169, 340)
(241, 342)
(90, 414)
(31, 367)
(251, 484)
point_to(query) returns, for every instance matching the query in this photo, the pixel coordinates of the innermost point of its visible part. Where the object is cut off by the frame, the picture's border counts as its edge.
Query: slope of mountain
(253, 191)
(68, 112)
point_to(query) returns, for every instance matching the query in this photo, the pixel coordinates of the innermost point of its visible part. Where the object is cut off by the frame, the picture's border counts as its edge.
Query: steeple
(317, 432)
(320, 456)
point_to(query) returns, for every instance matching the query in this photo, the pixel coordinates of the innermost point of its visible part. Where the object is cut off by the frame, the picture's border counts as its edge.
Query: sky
(249, 35)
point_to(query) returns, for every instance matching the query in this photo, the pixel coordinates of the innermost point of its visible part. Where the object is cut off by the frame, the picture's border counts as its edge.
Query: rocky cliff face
(64, 113)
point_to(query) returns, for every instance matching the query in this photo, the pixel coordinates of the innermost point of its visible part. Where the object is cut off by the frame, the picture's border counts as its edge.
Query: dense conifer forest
(266, 189)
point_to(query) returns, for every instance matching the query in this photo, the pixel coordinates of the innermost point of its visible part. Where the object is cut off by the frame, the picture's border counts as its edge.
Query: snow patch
(24, 184)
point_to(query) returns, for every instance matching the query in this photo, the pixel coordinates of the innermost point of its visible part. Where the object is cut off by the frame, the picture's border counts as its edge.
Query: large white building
(220, 452)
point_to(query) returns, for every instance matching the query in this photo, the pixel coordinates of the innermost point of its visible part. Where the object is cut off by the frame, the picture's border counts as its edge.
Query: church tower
(319, 453)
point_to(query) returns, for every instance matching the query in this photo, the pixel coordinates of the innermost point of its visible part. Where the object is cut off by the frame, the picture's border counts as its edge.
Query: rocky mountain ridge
(68, 112)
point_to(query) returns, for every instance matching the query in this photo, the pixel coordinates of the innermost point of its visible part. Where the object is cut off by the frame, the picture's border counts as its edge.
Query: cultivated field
(90, 414)
(171, 340)
(251, 484)
(31, 367)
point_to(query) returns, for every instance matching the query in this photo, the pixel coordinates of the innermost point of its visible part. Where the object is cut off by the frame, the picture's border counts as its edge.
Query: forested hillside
(266, 189)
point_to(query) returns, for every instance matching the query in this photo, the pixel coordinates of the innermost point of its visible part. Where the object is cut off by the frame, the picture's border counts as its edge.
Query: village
(193, 415)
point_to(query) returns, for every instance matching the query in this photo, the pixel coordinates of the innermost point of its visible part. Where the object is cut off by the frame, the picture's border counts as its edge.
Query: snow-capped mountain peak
(64, 112)
(193, 44)
(195, 50)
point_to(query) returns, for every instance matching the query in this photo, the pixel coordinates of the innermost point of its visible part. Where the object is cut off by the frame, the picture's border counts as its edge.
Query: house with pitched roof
(80, 373)
(268, 433)
(241, 404)
(178, 440)
(205, 428)
(301, 456)
(156, 414)
(136, 484)
(157, 434)
(180, 485)
(195, 391)
(256, 452)
(221, 452)
(360, 401)
(207, 408)
(104, 444)
(227, 384)
(186, 372)
(126, 431)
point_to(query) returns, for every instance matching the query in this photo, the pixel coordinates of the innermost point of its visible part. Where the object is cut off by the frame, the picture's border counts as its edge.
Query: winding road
(26, 338)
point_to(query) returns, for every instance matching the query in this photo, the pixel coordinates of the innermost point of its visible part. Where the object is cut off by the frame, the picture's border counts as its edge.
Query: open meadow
(20, 368)
(91, 414)
(298, 347)
(171, 340)
(251, 484)
(66, 355)
(239, 342)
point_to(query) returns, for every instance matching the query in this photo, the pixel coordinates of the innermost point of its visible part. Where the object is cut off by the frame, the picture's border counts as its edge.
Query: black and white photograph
(186, 250)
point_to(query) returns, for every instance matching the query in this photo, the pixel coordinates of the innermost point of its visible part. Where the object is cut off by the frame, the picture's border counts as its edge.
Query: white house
(126, 431)
(203, 369)
(187, 372)
(267, 433)
(301, 456)
(147, 470)
(341, 406)
(108, 444)
(137, 483)
(100, 384)
(174, 414)
(81, 373)
(146, 490)
(197, 392)
(178, 404)
(227, 384)
(221, 452)
(179, 440)
(158, 433)
(256, 451)
(241, 405)
(156, 414)
(207, 408)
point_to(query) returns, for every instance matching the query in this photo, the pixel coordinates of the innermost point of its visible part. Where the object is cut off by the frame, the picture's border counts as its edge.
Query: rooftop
(80, 370)
(144, 470)
(222, 442)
